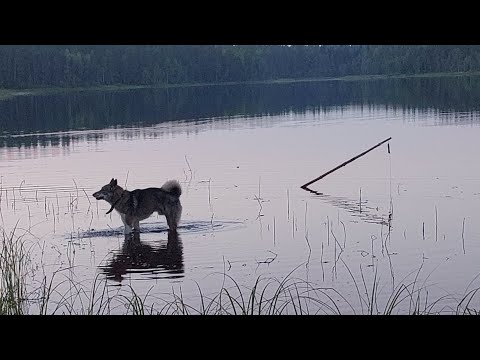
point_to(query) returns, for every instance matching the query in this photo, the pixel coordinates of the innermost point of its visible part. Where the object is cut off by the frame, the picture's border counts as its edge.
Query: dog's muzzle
(98, 195)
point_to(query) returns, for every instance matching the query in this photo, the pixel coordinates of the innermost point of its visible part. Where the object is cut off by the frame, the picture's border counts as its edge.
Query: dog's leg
(136, 226)
(171, 221)
(178, 214)
(131, 223)
(127, 228)
(127, 222)
(173, 216)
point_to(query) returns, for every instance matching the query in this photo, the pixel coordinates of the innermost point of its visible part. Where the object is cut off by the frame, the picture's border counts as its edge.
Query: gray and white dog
(137, 205)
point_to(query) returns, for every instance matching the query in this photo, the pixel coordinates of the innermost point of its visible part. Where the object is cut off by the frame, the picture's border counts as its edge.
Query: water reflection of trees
(99, 110)
(136, 256)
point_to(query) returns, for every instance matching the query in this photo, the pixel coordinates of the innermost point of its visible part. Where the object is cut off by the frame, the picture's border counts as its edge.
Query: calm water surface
(241, 154)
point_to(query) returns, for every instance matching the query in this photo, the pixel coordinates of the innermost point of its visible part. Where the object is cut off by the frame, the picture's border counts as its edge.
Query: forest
(43, 66)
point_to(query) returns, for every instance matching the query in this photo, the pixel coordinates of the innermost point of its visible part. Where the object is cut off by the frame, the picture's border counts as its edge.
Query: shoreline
(10, 93)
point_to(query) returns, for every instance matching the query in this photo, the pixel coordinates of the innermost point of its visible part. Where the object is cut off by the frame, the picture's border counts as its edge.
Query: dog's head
(107, 191)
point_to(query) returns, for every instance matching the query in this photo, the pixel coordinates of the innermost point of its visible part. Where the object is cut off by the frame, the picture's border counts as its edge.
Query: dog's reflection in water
(138, 257)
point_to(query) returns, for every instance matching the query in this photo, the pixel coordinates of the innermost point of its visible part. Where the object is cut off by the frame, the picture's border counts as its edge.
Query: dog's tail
(172, 187)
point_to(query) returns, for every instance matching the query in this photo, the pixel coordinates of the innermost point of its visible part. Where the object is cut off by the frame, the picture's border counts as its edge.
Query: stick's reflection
(360, 210)
(138, 257)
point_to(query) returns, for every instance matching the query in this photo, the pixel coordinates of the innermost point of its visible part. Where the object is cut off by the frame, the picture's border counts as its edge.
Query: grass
(267, 296)
(62, 293)
(13, 260)
(9, 93)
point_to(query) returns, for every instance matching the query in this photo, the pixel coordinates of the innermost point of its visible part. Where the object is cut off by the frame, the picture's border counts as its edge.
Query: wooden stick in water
(345, 163)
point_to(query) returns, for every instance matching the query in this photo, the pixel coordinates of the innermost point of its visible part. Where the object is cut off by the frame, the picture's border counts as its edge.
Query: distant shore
(9, 93)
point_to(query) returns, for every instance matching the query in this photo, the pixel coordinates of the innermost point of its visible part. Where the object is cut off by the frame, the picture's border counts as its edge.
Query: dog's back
(164, 200)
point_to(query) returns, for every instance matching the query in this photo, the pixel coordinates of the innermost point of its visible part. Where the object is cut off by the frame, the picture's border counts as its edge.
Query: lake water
(241, 153)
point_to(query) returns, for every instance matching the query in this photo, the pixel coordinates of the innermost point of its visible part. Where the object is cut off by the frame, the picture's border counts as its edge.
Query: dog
(137, 205)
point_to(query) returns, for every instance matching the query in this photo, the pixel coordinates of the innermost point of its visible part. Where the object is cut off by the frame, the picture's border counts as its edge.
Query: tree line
(30, 66)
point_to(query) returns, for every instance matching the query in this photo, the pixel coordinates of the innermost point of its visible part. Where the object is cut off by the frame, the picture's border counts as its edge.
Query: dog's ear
(111, 181)
(114, 183)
